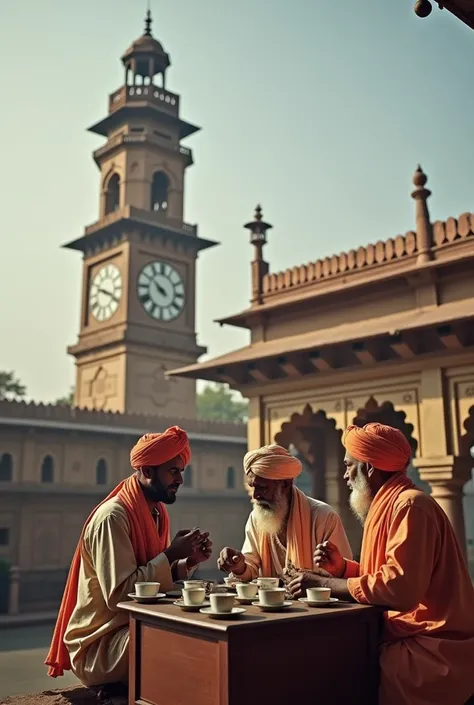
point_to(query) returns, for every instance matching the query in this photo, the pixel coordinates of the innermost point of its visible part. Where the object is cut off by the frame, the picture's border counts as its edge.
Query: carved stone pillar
(256, 425)
(447, 477)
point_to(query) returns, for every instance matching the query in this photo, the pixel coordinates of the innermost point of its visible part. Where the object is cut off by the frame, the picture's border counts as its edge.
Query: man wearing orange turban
(125, 540)
(285, 525)
(412, 565)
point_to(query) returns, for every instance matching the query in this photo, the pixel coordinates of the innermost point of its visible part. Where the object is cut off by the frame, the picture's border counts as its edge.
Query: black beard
(158, 494)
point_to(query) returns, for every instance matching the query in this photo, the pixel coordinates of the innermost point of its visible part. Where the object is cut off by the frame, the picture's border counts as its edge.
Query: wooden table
(302, 656)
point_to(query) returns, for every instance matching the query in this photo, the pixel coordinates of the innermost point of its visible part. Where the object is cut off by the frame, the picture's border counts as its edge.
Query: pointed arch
(6, 467)
(112, 193)
(315, 440)
(299, 431)
(313, 436)
(467, 440)
(47, 469)
(160, 185)
(101, 474)
(386, 413)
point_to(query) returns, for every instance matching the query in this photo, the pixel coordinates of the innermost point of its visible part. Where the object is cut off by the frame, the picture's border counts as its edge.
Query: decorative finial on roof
(148, 22)
(424, 229)
(258, 229)
(258, 237)
(419, 177)
(422, 8)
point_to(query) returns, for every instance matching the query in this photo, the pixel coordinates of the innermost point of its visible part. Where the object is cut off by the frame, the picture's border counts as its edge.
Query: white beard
(270, 518)
(360, 498)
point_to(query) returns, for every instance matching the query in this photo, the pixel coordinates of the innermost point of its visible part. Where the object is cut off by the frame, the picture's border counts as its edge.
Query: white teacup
(192, 597)
(246, 590)
(146, 589)
(221, 602)
(318, 594)
(193, 584)
(272, 597)
(229, 581)
(267, 583)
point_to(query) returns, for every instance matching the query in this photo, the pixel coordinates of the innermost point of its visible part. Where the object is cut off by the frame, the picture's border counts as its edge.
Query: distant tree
(217, 403)
(66, 401)
(10, 387)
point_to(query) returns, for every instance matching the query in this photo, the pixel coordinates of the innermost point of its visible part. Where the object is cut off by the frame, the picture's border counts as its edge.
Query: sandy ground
(23, 677)
(22, 654)
(75, 695)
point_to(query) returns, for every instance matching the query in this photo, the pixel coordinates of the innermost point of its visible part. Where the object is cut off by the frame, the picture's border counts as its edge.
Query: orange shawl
(378, 522)
(146, 541)
(299, 532)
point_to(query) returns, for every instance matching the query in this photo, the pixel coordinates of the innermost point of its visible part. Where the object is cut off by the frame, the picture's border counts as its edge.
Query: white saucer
(147, 600)
(191, 608)
(244, 600)
(272, 608)
(319, 603)
(236, 612)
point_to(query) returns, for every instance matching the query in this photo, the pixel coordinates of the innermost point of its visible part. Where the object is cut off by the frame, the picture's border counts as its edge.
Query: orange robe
(411, 563)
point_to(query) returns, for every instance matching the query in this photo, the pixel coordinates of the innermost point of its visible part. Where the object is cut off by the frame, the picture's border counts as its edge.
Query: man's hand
(184, 544)
(329, 557)
(298, 586)
(203, 551)
(231, 561)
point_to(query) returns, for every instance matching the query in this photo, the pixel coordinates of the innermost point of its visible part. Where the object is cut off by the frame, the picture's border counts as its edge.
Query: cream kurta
(97, 634)
(326, 525)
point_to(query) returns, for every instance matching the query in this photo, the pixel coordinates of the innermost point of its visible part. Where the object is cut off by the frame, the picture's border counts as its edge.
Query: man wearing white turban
(285, 525)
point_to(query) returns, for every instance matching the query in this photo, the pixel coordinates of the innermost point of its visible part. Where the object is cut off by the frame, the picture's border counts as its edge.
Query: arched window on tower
(112, 194)
(6, 467)
(159, 192)
(47, 469)
(230, 478)
(101, 472)
(188, 476)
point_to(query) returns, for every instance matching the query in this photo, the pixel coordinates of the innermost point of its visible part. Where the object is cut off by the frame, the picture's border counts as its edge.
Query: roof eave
(104, 126)
(215, 369)
(114, 229)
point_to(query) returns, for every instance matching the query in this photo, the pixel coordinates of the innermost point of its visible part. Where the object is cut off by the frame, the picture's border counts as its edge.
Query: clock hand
(161, 290)
(104, 291)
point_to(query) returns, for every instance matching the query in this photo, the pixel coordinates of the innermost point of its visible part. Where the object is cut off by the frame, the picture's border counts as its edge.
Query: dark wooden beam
(404, 346)
(232, 376)
(451, 339)
(227, 378)
(321, 362)
(291, 367)
(366, 353)
(260, 373)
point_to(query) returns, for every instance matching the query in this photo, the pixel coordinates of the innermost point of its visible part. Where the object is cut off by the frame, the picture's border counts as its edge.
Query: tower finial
(148, 21)
(258, 238)
(424, 229)
(422, 8)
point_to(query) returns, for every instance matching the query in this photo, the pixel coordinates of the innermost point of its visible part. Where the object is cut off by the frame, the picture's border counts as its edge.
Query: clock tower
(139, 257)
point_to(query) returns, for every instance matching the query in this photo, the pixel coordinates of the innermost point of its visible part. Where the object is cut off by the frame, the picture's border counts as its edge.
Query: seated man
(125, 540)
(412, 565)
(285, 525)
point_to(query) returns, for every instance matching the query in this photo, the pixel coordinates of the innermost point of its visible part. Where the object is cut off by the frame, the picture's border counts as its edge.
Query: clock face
(105, 292)
(160, 290)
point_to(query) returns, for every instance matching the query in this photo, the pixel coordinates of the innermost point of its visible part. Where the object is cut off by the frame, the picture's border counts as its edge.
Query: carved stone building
(384, 332)
(137, 322)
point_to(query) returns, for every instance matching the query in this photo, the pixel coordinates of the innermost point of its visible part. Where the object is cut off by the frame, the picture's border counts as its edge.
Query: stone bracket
(448, 469)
